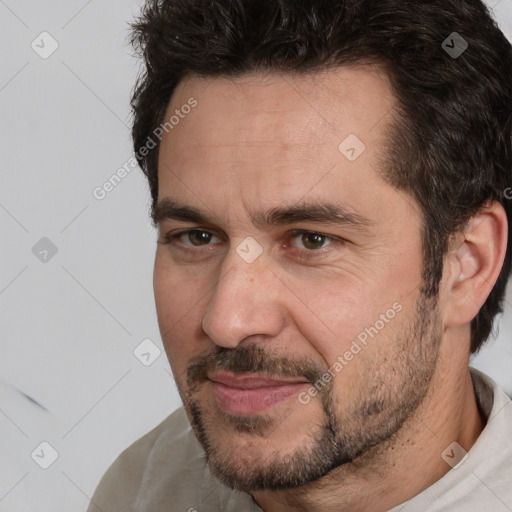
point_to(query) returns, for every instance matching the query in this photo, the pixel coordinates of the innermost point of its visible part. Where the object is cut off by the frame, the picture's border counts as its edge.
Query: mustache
(250, 359)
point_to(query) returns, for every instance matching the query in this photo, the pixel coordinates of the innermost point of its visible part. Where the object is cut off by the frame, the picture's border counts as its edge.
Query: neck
(388, 475)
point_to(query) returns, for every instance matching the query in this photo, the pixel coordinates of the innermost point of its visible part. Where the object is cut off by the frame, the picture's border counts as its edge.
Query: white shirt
(483, 481)
(166, 470)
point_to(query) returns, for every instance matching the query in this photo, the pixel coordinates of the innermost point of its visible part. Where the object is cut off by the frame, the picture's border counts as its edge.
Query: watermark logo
(44, 455)
(44, 45)
(454, 45)
(147, 352)
(454, 455)
(249, 250)
(44, 250)
(352, 147)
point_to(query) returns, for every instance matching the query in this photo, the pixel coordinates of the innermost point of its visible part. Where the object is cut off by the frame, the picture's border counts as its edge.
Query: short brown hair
(451, 145)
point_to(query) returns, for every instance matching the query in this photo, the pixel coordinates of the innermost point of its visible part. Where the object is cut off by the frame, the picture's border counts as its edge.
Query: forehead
(280, 137)
(339, 101)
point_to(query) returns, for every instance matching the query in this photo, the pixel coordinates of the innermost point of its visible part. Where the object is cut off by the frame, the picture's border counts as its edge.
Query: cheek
(340, 319)
(345, 317)
(177, 290)
(179, 304)
(365, 350)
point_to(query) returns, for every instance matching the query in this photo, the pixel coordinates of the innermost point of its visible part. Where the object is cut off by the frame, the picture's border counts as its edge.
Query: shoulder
(166, 470)
(483, 478)
(122, 482)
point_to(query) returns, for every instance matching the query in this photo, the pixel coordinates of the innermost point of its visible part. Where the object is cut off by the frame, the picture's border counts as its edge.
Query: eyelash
(304, 254)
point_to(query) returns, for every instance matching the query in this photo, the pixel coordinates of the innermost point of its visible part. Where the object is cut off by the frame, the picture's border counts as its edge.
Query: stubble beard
(389, 394)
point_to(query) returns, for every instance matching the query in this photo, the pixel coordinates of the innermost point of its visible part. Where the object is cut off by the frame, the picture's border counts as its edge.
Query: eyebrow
(325, 213)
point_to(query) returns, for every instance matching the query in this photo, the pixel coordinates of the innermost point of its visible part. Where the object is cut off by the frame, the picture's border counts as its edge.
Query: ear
(473, 264)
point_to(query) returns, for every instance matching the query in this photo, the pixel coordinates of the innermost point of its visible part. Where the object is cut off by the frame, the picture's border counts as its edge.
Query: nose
(244, 304)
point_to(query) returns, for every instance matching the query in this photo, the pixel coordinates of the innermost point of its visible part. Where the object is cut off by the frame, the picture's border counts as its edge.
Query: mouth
(251, 394)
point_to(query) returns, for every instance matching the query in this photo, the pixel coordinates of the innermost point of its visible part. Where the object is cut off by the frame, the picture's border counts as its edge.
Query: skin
(262, 141)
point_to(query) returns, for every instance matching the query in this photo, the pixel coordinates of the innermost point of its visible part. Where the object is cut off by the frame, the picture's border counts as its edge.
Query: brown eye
(312, 241)
(190, 238)
(197, 237)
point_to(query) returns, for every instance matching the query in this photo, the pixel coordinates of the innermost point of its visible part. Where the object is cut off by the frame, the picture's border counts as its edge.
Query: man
(328, 183)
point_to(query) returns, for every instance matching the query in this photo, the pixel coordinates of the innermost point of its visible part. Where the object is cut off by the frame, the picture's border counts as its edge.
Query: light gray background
(69, 326)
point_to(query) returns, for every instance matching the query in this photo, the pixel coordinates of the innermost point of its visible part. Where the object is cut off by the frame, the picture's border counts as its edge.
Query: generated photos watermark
(357, 345)
(101, 191)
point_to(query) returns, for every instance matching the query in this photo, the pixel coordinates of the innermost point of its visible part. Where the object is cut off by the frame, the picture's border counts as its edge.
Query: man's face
(269, 292)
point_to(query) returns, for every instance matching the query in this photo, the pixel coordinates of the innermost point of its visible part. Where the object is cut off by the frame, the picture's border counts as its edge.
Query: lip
(249, 394)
